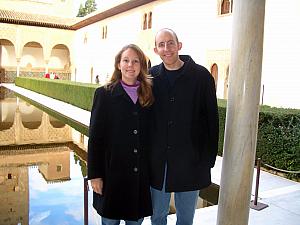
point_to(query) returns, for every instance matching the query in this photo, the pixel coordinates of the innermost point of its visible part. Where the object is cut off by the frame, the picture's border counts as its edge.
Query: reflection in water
(22, 123)
(41, 170)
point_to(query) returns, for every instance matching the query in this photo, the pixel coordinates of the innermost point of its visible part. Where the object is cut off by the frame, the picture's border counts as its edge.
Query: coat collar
(188, 62)
(118, 91)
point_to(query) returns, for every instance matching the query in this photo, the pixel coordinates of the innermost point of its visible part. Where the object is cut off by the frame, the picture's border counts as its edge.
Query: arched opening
(145, 21)
(225, 7)
(8, 70)
(31, 117)
(32, 63)
(56, 123)
(150, 20)
(214, 73)
(59, 62)
(8, 108)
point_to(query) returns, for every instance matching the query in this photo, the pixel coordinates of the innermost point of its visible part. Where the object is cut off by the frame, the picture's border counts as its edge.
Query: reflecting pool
(41, 170)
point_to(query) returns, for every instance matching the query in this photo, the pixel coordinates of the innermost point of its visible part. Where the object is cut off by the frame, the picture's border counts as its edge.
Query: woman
(118, 141)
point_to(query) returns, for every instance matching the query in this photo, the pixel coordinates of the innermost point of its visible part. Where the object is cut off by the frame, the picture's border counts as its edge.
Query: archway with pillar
(7, 61)
(59, 62)
(32, 62)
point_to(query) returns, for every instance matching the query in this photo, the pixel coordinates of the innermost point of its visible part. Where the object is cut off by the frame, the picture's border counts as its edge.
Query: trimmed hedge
(75, 93)
(278, 138)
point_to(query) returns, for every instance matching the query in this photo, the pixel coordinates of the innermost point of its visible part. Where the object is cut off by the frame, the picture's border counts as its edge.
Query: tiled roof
(98, 16)
(14, 17)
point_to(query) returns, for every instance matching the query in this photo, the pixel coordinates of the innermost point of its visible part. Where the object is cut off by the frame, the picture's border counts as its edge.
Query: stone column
(242, 112)
(18, 124)
(18, 66)
(47, 66)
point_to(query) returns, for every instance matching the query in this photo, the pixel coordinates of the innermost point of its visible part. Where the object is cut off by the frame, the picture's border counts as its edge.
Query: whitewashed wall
(201, 29)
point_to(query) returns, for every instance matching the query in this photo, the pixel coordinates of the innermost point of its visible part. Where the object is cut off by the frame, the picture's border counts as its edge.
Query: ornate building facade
(80, 49)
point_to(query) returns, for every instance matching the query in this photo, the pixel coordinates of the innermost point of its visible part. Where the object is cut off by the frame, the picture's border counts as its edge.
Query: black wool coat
(185, 128)
(117, 153)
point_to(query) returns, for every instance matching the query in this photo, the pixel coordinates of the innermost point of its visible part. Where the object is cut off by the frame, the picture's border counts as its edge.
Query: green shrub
(278, 138)
(74, 93)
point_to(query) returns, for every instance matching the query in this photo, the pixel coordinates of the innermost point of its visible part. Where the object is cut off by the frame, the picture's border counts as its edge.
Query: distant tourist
(51, 75)
(118, 141)
(97, 79)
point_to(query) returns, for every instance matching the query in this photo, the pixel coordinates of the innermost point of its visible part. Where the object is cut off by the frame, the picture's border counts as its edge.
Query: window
(226, 6)
(58, 168)
(85, 38)
(147, 21)
(214, 73)
(104, 32)
(81, 139)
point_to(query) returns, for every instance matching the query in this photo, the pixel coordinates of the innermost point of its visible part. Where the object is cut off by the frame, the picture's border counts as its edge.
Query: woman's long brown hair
(144, 92)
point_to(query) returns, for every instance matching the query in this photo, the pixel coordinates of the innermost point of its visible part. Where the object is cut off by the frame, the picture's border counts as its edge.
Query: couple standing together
(151, 136)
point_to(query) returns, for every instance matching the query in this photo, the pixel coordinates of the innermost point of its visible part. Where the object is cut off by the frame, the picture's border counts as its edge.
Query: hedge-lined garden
(278, 138)
(75, 93)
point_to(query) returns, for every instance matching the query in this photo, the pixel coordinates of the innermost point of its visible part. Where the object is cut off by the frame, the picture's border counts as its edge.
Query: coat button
(170, 123)
(135, 150)
(135, 131)
(168, 147)
(135, 169)
(172, 99)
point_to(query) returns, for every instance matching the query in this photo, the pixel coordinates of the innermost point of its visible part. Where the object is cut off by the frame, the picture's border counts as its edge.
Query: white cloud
(37, 219)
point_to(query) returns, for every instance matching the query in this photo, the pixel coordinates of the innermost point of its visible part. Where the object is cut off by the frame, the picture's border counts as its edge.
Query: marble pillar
(18, 66)
(47, 66)
(242, 112)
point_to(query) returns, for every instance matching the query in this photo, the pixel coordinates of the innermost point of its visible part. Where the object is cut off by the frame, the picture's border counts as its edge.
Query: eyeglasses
(168, 44)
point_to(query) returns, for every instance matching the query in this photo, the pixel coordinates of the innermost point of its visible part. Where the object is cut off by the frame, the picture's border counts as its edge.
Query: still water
(41, 170)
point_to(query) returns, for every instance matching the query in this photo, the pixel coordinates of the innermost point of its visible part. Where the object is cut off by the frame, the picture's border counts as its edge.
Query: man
(185, 130)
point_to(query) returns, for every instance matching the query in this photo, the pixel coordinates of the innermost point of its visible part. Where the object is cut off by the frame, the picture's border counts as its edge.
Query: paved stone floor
(281, 195)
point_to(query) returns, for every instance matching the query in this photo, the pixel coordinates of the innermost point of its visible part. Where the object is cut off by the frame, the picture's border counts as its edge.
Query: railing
(85, 200)
(254, 204)
(280, 170)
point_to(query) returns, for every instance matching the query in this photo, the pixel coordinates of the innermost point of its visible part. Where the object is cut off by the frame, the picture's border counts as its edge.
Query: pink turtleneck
(131, 90)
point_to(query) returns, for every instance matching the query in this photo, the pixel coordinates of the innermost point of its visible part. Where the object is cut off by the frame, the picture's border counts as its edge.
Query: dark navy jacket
(185, 128)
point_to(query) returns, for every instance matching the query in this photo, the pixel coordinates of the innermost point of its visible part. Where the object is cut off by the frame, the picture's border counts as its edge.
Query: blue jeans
(106, 221)
(185, 204)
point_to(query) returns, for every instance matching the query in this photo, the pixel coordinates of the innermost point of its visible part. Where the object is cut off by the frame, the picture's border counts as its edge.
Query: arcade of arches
(34, 55)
